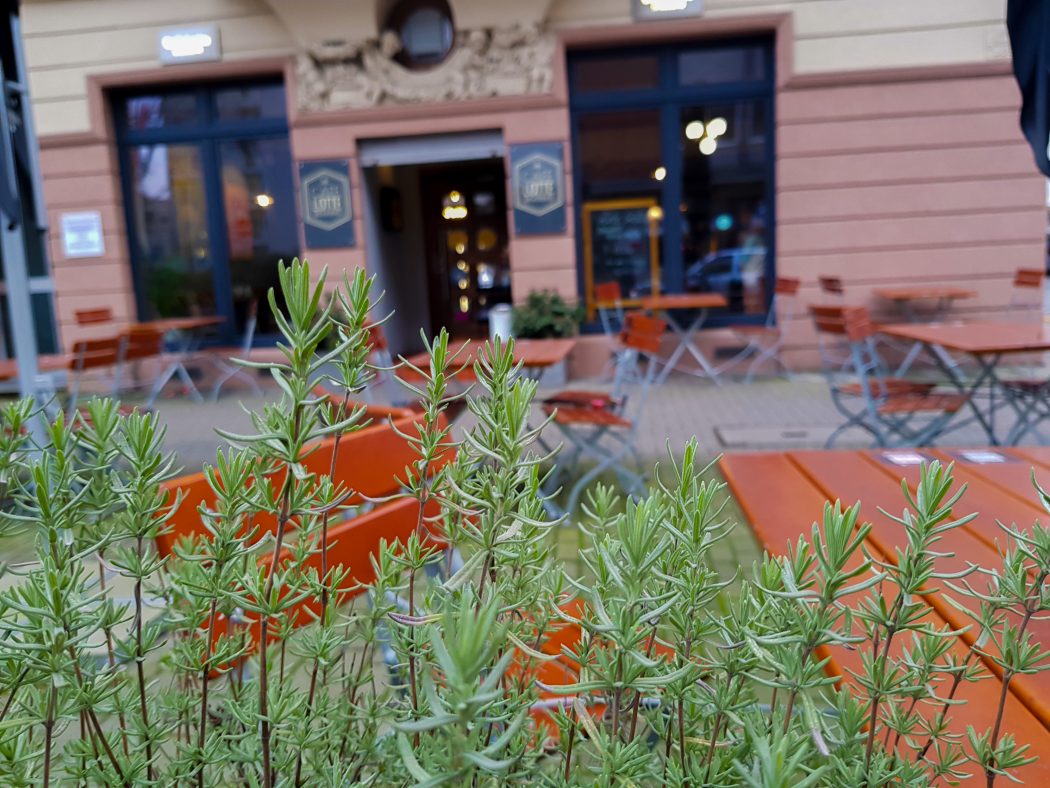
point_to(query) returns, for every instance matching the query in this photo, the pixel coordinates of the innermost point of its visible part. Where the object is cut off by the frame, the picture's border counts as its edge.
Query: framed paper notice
(82, 234)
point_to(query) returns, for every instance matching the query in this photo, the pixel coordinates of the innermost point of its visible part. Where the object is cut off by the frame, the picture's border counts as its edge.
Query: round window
(425, 29)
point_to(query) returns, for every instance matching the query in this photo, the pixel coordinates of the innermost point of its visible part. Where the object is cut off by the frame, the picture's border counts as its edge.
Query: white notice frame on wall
(82, 234)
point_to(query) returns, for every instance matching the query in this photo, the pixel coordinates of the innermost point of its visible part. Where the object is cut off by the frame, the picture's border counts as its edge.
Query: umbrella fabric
(1028, 22)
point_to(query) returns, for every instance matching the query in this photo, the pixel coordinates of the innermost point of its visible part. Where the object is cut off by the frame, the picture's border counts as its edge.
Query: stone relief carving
(510, 61)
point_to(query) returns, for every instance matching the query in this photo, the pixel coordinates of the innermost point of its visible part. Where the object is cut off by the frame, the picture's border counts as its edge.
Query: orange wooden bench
(370, 462)
(783, 494)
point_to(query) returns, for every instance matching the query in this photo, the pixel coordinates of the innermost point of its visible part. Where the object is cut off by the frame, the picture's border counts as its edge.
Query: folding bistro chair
(141, 343)
(102, 315)
(224, 358)
(90, 356)
(605, 429)
(765, 342)
(1030, 388)
(1028, 290)
(608, 300)
(892, 410)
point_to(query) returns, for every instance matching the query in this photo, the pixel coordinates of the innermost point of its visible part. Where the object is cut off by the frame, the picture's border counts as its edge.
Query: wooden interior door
(467, 261)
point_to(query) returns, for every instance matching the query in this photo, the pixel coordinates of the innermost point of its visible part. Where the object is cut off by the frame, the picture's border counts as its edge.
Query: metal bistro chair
(606, 430)
(226, 358)
(141, 343)
(102, 315)
(608, 301)
(1029, 387)
(833, 288)
(765, 342)
(90, 356)
(892, 410)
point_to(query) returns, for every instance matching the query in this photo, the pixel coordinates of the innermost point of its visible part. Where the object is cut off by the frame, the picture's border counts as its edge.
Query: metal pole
(13, 234)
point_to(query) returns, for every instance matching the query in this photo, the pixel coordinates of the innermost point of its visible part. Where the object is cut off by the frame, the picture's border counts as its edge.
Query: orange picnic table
(701, 303)
(783, 493)
(535, 356)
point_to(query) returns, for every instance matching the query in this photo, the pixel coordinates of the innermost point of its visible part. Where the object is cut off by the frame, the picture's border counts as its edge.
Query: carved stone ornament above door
(512, 61)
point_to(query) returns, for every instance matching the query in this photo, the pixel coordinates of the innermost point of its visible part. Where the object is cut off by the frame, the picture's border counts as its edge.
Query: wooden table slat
(925, 293)
(776, 490)
(978, 338)
(659, 303)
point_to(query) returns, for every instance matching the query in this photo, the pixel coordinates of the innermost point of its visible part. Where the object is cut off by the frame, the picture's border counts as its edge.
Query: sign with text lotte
(328, 216)
(538, 186)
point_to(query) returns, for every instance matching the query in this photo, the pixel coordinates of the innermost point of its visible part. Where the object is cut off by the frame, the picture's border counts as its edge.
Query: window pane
(725, 207)
(258, 196)
(619, 150)
(249, 102)
(711, 66)
(174, 265)
(161, 111)
(627, 72)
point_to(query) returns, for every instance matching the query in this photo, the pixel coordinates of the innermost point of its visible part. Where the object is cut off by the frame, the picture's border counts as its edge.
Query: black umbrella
(1029, 24)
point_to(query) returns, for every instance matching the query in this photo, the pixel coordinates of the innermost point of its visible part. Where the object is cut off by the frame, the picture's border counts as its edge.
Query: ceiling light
(694, 130)
(263, 200)
(708, 146)
(660, 173)
(716, 127)
(454, 212)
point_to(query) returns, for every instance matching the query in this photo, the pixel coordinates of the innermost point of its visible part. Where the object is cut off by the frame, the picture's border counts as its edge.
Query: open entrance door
(468, 268)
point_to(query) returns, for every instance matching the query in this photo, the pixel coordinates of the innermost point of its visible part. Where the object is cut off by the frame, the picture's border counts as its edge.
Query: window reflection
(724, 210)
(171, 224)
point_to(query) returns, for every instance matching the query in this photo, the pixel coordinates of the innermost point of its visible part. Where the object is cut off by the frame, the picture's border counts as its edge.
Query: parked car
(726, 271)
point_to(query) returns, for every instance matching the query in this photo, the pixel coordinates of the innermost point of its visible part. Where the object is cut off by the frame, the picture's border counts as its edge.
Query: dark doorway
(468, 268)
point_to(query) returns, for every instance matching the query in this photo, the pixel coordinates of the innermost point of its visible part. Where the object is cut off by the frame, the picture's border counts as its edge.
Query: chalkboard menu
(621, 246)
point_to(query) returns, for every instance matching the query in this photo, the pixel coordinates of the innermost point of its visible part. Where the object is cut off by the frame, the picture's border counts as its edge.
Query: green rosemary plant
(251, 654)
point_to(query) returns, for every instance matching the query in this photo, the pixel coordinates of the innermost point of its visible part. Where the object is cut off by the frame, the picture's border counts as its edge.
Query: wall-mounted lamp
(189, 45)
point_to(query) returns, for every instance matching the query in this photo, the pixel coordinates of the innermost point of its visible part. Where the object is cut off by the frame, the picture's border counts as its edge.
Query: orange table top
(782, 493)
(49, 362)
(531, 353)
(167, 324)
(659, 303)
(924, 293)
(978, 338)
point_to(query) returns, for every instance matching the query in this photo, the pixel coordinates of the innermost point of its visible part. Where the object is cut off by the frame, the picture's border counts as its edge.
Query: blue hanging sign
(538, 188)
(328, 215)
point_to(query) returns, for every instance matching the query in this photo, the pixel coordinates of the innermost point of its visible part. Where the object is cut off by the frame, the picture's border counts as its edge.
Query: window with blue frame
(209, 196)
(683, 136)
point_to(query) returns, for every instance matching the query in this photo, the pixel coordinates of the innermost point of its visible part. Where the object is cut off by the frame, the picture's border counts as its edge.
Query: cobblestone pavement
(766, 414)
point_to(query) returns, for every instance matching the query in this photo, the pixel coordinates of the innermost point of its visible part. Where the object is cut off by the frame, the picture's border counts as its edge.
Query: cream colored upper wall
(68, 40)
(843, 35)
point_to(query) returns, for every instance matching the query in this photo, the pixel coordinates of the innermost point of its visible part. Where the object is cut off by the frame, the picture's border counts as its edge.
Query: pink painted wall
(83, 176)
(904, 180)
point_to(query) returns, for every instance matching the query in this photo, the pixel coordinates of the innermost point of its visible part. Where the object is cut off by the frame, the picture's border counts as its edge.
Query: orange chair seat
(894, 387)
(584, 399)
(919, 403)
(595, 416)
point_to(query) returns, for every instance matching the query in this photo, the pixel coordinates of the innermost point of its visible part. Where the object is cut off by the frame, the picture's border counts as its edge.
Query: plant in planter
(546, 314)
(473, 657)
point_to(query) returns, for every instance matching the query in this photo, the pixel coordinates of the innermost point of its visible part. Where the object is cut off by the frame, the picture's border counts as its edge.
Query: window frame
(207, 136)
(669, 98)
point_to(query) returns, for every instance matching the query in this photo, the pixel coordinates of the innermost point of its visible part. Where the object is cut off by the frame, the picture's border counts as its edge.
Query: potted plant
(546, 315)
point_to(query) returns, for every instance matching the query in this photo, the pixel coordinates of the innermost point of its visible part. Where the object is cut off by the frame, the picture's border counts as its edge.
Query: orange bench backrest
(371, 462)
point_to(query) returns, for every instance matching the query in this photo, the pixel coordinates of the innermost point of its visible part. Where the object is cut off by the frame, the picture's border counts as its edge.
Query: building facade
(470, 151)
